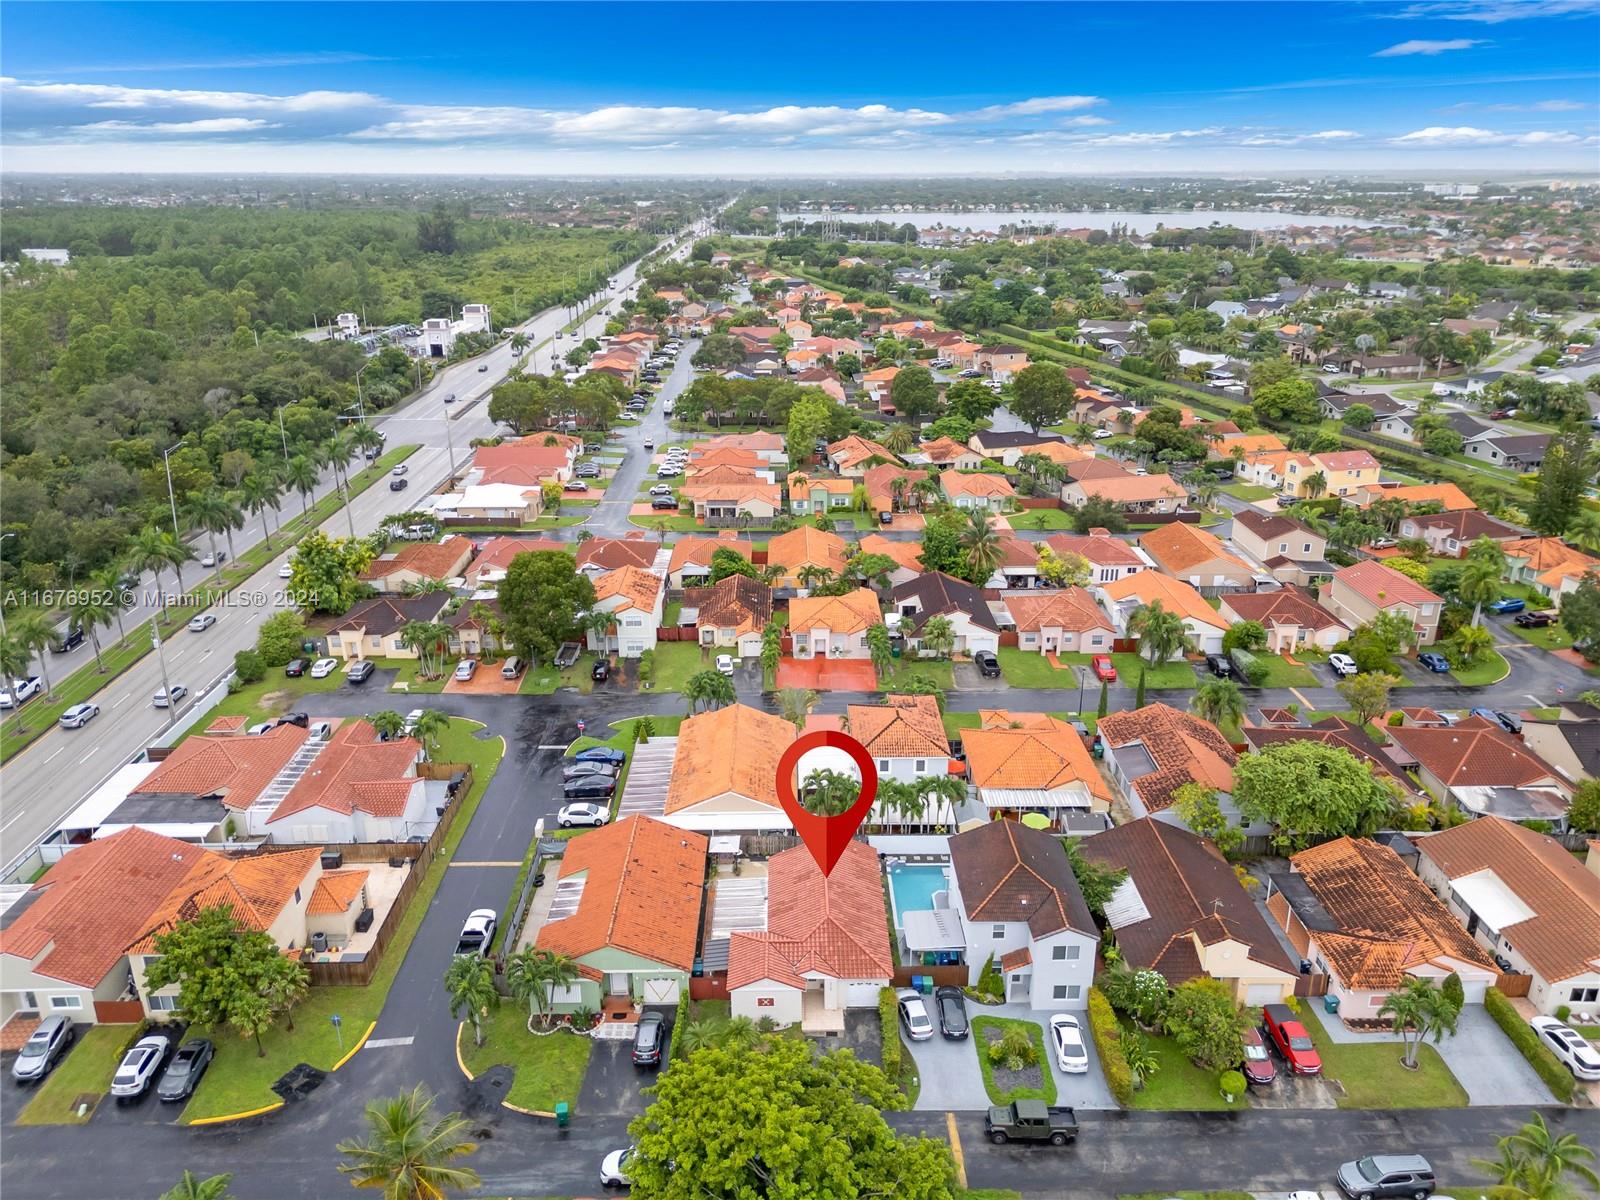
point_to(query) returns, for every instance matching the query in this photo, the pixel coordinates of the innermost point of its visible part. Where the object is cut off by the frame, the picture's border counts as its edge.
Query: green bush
(889, 1032)
(1563, 1011)
(1014, 1050)
(279, 638)
(1556, 1077)
(1108, 1041)
(680, 1022)
(247, 665)
(1232, 1083)
(990, 986)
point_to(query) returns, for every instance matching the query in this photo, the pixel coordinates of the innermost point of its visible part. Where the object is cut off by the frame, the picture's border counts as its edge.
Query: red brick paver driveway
(828, 674)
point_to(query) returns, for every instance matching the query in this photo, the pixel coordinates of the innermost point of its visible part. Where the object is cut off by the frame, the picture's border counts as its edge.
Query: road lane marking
(1295, 692)
(560, 747)
(88, 756)
(384, 1043)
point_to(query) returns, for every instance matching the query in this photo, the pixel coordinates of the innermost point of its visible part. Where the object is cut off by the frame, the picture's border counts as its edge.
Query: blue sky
(1414, 86)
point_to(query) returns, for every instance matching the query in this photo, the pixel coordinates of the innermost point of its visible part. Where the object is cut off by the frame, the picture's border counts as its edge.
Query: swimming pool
(912, 885)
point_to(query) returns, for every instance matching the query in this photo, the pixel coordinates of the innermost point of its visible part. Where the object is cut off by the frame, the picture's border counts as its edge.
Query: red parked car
(1258, 1067)
(1291, 1040)
(1103, 668)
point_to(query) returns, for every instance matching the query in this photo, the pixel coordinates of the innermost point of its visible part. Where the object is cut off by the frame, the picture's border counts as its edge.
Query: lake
(1138, 222)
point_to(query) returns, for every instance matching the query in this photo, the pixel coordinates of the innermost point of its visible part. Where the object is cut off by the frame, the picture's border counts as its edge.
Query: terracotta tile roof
(1346, 460)
(1382, 586)
(1562, 937)
(1100, 549)
(753, 442)
(255, 889)
(900, 727)
(1175, 596)
(636, 588)
(529, 452)
(733, 749)
(1249, 443)
(1003, 718)
(1289, 606)
(100, 897)
(1070, 608)
(1059, 452)
(431, 560)
(234, 766)
(853, 612)
(850, 451)
(724, 475)
(1040, 756)
(1385, 920)
(1183, 747)
(1474, 753)
(1008, 872)
(643, 885)
(1179, 548)
(1130, 489)
(737, 602)
(907, 554)
(943, 450)
(801, 484)
(497, 553)
(383, 615)
(879, 482)
(817, 924)
(728, 456)
(1449, 496)
(336, 891)
(607, 554)
(1015, 960)
(228, 724)
(961, 483)
(1547, 553)
(697, 551)
(356, 771)
(1189, 890)
(1015, 552)
(807, 546)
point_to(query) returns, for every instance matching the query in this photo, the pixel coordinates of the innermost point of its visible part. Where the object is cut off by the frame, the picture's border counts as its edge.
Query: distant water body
(1138, 222)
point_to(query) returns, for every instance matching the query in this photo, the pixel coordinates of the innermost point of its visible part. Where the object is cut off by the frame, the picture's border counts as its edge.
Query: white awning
(1487, 895)
(1126, 906)
(931, 929)
(1033, 798)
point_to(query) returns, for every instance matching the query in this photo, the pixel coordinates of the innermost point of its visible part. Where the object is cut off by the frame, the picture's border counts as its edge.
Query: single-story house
(724, 775)
(730, 613)
(1033, 763)
(1292, 619)
(417, 563)
(936, 594)
(1152, 751)
(977, 490)
(374, 628)
(1124, 597)
(1064, 621)
(834, 626)
(1483, 770)
(1129, 493)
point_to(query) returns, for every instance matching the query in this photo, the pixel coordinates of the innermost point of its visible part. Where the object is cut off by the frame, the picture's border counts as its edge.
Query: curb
(461, 1062)
(360, 1042)
(238, 1116)
(527, 1112)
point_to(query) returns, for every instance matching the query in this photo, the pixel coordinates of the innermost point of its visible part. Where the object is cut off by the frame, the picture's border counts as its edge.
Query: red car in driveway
(1290, 1039)
(1103, 668)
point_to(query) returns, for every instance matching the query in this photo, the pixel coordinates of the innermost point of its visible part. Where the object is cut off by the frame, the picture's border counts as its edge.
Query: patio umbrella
(1036, 820)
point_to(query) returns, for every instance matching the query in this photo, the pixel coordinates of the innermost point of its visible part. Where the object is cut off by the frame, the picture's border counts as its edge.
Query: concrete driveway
(952, 1079)
(966, 677)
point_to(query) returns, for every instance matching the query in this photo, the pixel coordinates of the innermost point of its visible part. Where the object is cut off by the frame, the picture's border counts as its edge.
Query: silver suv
(1384, 1175)
(43, 1049)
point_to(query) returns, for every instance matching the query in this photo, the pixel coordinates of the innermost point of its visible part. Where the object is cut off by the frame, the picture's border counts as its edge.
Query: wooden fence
(1514, 985)
(955, 976)
(1311, 985)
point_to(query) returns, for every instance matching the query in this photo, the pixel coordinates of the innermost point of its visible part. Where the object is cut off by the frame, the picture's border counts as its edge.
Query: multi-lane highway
(47, 780)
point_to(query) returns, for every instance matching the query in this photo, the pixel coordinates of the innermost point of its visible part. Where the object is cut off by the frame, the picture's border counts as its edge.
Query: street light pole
(3, 537)
(172, 498)
(360, 403)
(161, 659)
(284, 435)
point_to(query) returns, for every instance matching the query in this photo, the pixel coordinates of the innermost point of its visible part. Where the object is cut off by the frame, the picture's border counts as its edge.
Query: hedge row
(1108, 1040)
(889, 1033)
(1556, 1077)
(680, 1022)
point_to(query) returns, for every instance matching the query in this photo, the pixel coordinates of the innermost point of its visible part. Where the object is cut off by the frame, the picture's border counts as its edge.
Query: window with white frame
(1074, 990)
(1059, 992)
(1584, 995)
(998, 932)
(1072, 953)
(66, 1002)
(1058, 953)
(163, 1003)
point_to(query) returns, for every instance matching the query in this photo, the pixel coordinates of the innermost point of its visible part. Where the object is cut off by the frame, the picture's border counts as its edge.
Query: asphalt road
(48, 779)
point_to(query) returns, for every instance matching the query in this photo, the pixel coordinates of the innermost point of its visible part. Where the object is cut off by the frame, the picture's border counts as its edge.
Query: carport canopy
(932, 929)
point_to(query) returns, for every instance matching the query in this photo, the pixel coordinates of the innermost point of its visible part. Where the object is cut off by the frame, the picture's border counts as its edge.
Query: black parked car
(601, 672)
(183, 1073)
(295, 718)
(649, 1040)
(295, 668)
(361, 672)
(988, 665)
(952, 1006)
(589, 787)
(1219, 666)
(1533, 620)
(582, 770)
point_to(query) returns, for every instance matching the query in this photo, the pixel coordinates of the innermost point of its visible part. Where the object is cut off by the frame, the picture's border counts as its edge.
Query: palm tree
(192, 1187)
(1472, 642)
(427, 728)
(1315, 484)
(34, 633)
(1205, 489)
(519, 341)
(212, 512)
(899, 439)
(302, 475)
(1162, 634)
(387, 724)
(925, 491)
(534, 975)
(1480, 584)
(939, 636)
(698, 1035)
(813, 575)
(15, 659)
(470, 984)
(712, 688)
(948, 790)
(152, 550)
(1418, 1008)
(425, 638)
(1534, 1160)
(408, 1153)
(1585, 530)
(1164, 356)
(364, 437)
(897, 492)
(89, 609)
(740, 1033)
(258, 493)
(597, 623)
(1220, 701)
(982, 545)
(771, 648)
(795, 704)
(879, 648)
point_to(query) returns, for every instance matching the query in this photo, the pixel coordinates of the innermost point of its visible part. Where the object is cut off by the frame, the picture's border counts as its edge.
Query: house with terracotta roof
(1241, 445)
(1483, 770)
(702, 460)
(690, 564)
(635, 598)
(907, 556)
(834, 626)
(1353, 909)
(373, 628)
(1548, 565)
(1292, 619)
(823, 948)
(801, 548)
(905, 737)
(1020, 905)
(1031, 763)
(415, 563)
(1344, 473)
(1153, 751)
(495, 555)
(350, 787)
(883, 494)
(769, 447)
(1109, 557)
(878, 384)
(1360, 592)
(819, 494)
(1129, 493)
(1449, 534)
(1018, 568)
(1059, 621)
(1122, 598)
(1012, 445)
(626, 909)
(1002, 360)
(947, 454)
(634, 549)
(724, 772)
(730, 613)
(935, 594)
(1197, 557)
(1180, 910)
(526, 461)
(852, 455)
(1447, 496)
(1525, 898)
(1285, 548)
(978, 490)
(733, 503)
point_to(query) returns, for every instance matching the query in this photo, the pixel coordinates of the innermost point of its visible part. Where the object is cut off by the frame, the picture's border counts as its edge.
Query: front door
(1017, 987)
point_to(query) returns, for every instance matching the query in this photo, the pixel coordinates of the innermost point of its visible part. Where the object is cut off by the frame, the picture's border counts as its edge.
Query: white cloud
(1037, 105)
(208, 125)
(1494, 12)
(106, 95)
(1423, 46)
(1088, 121)
(1467, 135)
(1332, 135)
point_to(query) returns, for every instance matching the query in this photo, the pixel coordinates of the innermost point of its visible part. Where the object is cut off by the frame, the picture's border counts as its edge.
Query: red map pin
(826, 837)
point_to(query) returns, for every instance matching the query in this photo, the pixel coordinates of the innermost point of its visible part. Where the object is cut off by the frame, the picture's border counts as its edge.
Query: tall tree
(35, 634)
(980, 544)
(914, 393)
(469, 982)
(1420, 1009)
(408, 1153)
(1567, 473)
(1309, 792)
(1041, 394)
(533, 975)
(1162, 634)
(1220, 701)
(91, 609)
(541, 596)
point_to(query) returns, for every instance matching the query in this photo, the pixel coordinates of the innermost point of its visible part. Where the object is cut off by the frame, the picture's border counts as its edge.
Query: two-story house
(635, 598)
(935, 594)
(1360, 592)
(1287, 549)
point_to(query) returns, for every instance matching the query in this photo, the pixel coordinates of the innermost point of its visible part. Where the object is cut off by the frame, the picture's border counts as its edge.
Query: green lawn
(1373, 1077)
(1040, 518)
(544, 679)
(1553, 637)
(1023, 669)
(274, 696)
(240, 1080)
(549, 1068)
(408, 671)
(1178, 1084)
(1176, 674)
(1281, 673)
(979, 1043)
(86, 1070)
(558, 522)
(676, 662)
(906, 669)
(672, 522)
(1247, 491)
(1491, 667)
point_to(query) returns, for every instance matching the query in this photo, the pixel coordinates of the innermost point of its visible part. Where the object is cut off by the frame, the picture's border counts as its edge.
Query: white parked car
(412, 718)
(210, 560)
(1571, 1047)
(201, 622)
(139, 1067)
(477, 935)
(582, 812)
(1066, 1037)
(914, 1015)
(614, 1168)
(286, 571)
(466, 668)
(166, 697)
(324, 667)
(1100, 434)
(21, 690)
(1342, 664)
(725, 663)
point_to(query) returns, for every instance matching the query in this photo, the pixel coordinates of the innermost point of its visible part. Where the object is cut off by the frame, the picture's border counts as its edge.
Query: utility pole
(161, 659)
(172, 499)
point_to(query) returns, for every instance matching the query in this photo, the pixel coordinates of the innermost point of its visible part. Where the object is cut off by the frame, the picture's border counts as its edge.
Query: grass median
(239, 1078)
(85, 1071)
(548, 1067)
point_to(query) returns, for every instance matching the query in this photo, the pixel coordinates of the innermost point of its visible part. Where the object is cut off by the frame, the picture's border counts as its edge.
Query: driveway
(965, 677)
(612, 1084)
(861, 1036)
(828, 674)
(952, 1079)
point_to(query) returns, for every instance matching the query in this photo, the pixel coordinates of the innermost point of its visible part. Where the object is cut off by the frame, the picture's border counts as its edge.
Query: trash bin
(894, 650)
(563, 1115)
(308, 646)
(1330, 1005)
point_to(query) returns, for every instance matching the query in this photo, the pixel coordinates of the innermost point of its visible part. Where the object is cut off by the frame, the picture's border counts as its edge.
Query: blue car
(601, 754)
(1437, 663)
(1508, 604)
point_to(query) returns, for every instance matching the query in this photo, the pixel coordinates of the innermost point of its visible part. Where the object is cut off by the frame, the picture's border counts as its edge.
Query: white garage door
(1258, 994)
(660, 991)
(862, 993)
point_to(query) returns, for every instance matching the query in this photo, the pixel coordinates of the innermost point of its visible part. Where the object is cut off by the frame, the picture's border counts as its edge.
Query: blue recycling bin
(1330, 1005)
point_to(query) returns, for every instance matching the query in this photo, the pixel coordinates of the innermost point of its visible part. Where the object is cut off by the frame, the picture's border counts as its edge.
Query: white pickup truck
(21, 690)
